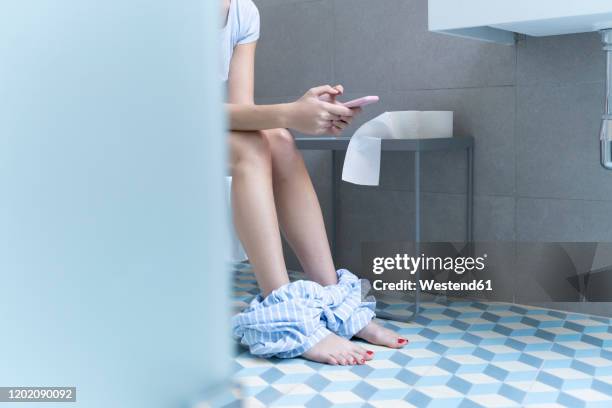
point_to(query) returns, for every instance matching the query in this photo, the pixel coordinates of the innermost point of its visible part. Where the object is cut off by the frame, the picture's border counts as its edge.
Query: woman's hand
(338, 126)
(314, 115)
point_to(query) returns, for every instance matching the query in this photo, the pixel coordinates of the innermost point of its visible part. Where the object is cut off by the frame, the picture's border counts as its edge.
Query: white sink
(498, 20)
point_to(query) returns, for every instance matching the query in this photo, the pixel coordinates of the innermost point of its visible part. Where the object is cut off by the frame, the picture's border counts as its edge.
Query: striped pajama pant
(298, 315)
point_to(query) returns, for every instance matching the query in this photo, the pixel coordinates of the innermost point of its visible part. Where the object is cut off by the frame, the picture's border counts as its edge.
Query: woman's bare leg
(256, 224)
(298, 209)
(302, 223)
(254, 210)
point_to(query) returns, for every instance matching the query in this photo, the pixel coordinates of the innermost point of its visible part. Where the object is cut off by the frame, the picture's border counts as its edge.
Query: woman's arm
(309, 114)
(241, 79)
(241, 108)
(257, 117)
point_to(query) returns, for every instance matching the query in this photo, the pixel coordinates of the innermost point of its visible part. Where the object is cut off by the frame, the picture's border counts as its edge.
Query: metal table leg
(417, 240)
(417, 229)
(334, 206)
(469, 228)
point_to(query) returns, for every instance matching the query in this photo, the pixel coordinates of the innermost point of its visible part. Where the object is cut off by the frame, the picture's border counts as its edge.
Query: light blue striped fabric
(298, 315)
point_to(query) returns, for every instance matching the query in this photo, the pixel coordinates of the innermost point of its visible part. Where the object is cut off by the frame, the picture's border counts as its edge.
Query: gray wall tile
(597, 223)
(388, 215)
(367, 214)
(441, 172)
(384, 45)
(549, 220)
(558, 142)
(443, 217)
(294, 51)
(494, 218)
(560, 59)
(563, 220)
(543, 273)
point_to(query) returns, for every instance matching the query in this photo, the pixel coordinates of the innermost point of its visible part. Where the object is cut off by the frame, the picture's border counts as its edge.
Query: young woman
(272, 191)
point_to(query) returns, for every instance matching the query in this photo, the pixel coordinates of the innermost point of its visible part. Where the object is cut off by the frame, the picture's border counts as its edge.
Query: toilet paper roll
(435, 124)
(362, 162)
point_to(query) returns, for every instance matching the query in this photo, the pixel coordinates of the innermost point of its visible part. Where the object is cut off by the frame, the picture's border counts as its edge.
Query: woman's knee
(282, 145)
(249, 151)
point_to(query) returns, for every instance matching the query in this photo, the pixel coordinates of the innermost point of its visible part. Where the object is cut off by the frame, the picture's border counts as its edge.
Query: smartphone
(361, 102)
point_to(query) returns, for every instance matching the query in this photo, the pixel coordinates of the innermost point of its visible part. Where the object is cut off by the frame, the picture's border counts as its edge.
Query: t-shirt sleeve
(249, 22)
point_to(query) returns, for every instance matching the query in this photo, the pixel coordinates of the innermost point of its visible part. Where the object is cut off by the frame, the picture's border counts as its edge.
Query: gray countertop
(413, 145)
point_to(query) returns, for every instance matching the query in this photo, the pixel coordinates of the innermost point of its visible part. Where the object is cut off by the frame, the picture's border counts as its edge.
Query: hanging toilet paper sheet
(362, 161)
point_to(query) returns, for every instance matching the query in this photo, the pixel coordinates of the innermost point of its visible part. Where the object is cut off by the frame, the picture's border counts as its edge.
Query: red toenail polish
(401, 341)
(370, 352)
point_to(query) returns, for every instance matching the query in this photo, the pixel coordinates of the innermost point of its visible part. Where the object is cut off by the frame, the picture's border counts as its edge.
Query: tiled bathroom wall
(534, 111)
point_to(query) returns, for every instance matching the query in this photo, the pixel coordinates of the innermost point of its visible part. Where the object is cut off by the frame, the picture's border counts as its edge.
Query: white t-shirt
(242, 28)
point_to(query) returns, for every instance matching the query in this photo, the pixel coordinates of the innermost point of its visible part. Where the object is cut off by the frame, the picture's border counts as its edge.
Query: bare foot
(376, 334)
(336, 350)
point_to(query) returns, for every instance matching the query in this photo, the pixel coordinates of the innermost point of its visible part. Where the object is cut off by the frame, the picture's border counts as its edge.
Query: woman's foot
(336, 350)
(376, 334)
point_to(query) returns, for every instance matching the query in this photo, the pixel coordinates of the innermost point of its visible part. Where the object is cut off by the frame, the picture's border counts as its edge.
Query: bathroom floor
(461, 354)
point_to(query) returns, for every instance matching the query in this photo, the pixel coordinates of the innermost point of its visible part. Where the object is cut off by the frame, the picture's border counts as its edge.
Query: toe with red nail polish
(374, 333)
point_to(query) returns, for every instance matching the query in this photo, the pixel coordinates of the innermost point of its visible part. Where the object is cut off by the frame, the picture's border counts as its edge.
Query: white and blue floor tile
(461, 354)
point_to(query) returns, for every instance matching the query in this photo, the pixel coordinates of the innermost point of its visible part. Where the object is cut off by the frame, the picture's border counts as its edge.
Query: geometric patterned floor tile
(565, 378)
(511, 371)
(461, 354)
(600, 339)
(576, 349)
(548, 359)
(492, 401)
(440, 396)
(584, 398)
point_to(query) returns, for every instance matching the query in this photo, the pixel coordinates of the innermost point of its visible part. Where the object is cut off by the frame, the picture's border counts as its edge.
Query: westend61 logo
(539, 271)
(440, 267)
(410, 264)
